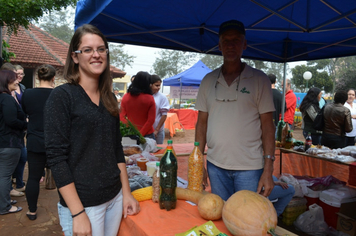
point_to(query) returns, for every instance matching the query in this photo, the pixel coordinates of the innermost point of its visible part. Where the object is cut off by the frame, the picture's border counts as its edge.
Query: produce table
(171, 123)
(300, 163)
(152, 221)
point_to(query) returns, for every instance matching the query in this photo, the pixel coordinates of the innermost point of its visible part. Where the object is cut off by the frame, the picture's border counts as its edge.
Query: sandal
(31, 216)
(8, 212)
(13, 202)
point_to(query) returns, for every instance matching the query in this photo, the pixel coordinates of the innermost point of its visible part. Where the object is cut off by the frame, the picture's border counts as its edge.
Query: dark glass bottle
(168, 180)
(308, 141)
(289, 140)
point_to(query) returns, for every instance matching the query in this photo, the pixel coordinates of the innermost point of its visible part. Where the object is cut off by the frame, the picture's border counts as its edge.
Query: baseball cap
(232, 24)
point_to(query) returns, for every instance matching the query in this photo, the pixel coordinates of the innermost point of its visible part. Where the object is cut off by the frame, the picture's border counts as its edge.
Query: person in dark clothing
(277, 99)
(83, 141)
(12, 126)
(309, 109)
(337, 119)
(33, 102)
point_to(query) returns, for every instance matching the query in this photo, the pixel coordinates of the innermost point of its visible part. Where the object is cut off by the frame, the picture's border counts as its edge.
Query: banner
(187, 92)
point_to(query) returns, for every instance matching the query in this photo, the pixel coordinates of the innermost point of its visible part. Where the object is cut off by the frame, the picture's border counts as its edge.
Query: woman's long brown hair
(71, 70)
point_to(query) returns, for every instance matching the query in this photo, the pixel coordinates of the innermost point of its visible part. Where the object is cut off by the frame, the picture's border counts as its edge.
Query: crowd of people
(74, 129)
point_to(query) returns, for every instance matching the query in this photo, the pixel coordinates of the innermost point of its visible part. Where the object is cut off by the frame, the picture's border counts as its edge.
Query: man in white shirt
(235, 120)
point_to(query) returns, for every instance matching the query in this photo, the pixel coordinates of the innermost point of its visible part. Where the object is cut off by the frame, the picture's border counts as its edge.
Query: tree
(212, 61)
(260, 65)
(60, 24)
(321, 80)
(6, 55)
(118, 57)
(347, 80)
(172, 62)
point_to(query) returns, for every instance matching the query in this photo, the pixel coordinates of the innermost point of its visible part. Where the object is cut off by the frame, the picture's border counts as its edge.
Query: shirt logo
(243, 90)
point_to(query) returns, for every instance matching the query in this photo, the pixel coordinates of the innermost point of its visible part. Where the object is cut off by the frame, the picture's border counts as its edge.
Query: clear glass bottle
(168, 180)
(195, 169)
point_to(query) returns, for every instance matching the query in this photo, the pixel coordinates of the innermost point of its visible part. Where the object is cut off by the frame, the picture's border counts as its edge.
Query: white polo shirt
(234, 135)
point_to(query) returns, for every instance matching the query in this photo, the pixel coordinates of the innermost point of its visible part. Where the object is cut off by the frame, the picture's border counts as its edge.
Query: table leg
(280, 162)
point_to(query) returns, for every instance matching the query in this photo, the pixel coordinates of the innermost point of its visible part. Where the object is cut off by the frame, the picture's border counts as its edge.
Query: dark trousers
(350, 141)
(333, 141)
(36, 165)
(18, 173)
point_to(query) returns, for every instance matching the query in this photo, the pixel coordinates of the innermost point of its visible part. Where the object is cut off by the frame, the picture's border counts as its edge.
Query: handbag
(50, 184)
(318, 123)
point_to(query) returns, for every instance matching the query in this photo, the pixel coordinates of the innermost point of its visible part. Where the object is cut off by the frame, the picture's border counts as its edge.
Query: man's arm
(268, 144)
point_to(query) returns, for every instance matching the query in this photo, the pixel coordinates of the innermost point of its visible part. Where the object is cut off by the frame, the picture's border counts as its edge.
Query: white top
(353, 112)
(234, 128)
(162, 107)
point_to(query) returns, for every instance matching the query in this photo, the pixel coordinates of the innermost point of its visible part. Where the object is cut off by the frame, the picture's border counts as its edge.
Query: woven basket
(180, 134)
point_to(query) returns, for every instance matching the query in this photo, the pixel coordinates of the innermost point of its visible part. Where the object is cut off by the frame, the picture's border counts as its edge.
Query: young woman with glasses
(83, 141)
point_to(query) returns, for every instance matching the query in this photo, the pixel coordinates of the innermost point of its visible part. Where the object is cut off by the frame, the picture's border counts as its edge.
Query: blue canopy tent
(189, 77)
(277, 31)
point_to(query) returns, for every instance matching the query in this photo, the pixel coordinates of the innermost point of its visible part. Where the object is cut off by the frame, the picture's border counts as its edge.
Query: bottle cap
(157, 163)
(169, 141)
(196, 143)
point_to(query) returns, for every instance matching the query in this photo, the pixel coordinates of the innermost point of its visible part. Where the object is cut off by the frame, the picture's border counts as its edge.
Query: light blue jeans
(226, 182)
(283, 195)
(160, 137)
(9, 157)
(105, 219)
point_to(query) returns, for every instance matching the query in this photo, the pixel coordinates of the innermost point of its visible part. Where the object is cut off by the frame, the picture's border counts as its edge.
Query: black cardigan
(12, 122)
(83, 145)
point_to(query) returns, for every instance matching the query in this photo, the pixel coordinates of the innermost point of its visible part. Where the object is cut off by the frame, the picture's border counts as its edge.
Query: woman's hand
(81, 225)
(131, 205)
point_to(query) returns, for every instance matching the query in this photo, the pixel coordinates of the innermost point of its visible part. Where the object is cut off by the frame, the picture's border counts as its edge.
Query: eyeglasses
(225, 100)
(20, 74)
(90, 51)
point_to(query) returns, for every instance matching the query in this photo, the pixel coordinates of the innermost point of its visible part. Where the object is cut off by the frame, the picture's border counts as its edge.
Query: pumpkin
(210, 206)
(249, 213)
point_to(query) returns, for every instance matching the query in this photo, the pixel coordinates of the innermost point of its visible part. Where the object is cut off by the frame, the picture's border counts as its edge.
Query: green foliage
(347, 80)
(260, 65)
(6, 55)
(58, 24)
(319, 79)
(118, 57)
(130, 129)
(212, 61)
(172, 62)
(16, 13)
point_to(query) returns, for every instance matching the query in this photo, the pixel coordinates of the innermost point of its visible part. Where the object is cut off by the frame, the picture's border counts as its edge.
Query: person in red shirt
(291, 104)
(139, 106)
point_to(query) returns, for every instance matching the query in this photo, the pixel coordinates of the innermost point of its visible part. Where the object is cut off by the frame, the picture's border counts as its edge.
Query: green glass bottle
(168, 180)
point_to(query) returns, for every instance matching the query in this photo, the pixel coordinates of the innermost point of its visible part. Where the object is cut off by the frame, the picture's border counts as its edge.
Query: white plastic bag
(312, 221)
(150, 145)
(289, 179)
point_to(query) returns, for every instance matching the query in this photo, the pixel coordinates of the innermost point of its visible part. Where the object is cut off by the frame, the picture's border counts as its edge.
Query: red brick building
(34, 47)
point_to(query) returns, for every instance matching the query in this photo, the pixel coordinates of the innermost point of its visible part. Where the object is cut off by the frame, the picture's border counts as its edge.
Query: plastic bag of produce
(312, 221)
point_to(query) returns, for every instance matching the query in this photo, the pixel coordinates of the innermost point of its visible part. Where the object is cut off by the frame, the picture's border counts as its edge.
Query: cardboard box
(347, 218)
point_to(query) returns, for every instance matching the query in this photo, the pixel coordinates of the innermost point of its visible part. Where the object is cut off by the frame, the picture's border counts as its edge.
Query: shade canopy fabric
(279, 31)
(189, 77)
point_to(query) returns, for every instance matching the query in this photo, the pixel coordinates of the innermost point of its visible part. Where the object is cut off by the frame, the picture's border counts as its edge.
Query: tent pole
(284, 89)
(180, 95)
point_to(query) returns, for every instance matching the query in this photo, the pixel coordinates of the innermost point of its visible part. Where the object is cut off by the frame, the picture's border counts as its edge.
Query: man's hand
(266, 184)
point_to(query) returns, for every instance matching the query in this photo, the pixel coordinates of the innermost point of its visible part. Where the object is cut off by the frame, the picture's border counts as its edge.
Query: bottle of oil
(168, 180)
(195, 169)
